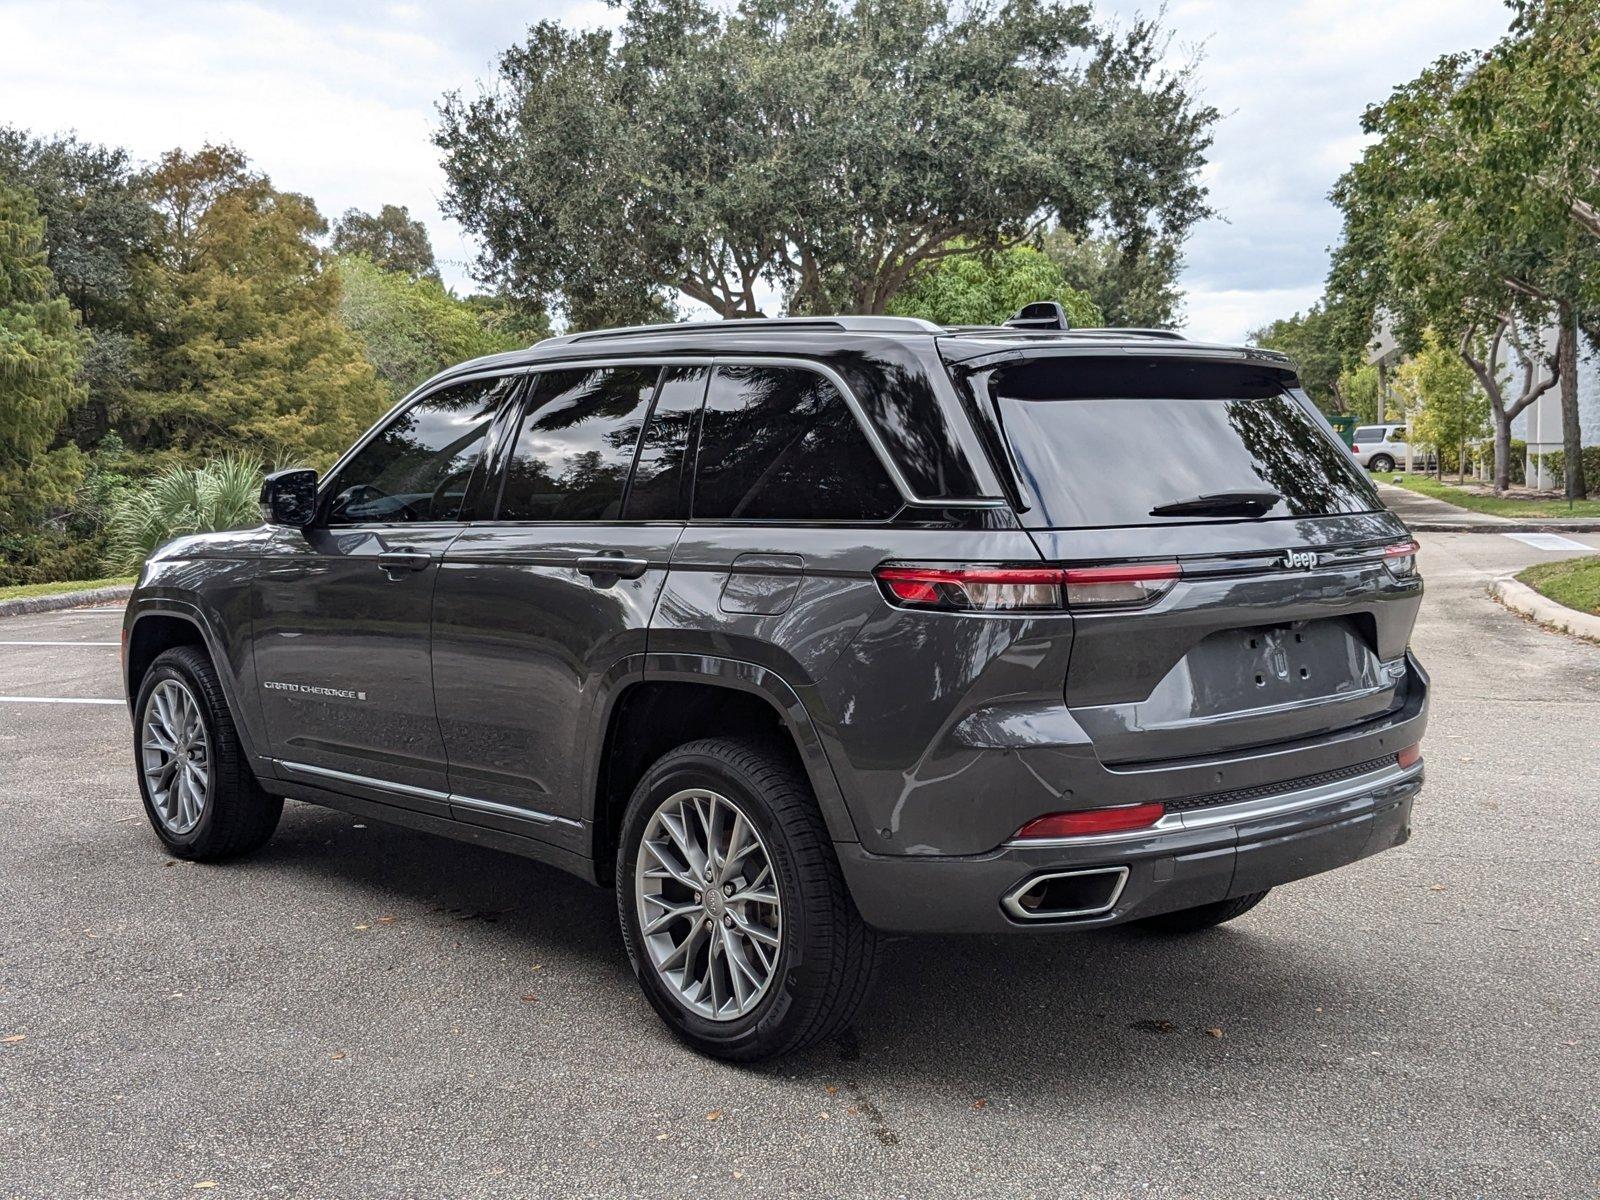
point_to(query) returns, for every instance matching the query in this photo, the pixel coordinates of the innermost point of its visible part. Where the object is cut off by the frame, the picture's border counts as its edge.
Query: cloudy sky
(337, 101)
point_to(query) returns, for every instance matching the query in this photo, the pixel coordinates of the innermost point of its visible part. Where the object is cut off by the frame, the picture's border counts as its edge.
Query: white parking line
(1547, 541)
(60, 643)
(53, 700)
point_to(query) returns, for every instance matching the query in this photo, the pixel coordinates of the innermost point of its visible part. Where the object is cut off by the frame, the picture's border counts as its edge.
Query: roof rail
(849, 324)
(1171, 335)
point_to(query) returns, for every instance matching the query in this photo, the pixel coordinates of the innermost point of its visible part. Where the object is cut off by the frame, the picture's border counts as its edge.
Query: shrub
(1556, 463)
(220, 495)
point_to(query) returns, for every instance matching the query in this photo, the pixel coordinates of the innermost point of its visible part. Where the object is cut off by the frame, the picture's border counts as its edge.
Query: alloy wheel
(707, 903)
(176, 755)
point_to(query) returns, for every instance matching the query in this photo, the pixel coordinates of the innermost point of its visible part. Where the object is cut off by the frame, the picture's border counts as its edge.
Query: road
(365, 1011)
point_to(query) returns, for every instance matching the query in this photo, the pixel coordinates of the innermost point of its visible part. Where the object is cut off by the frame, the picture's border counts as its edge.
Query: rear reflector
(1410, 756)
(1092, 821)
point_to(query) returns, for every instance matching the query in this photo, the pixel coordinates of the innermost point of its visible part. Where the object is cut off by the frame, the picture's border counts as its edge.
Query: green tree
(1471, 208)
(99, 231)
(1359, 387)
(413, 328)
(39, 363)
(985, 289)
(1132, 285)
(1312, 341)
(831, 151)
(1450, 410)
(390, 238)
(244, 333)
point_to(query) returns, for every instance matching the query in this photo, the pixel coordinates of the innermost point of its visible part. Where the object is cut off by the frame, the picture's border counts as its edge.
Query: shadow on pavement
(1094, 1012)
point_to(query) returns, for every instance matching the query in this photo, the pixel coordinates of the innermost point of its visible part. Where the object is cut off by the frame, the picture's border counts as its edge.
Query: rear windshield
(1105, 442)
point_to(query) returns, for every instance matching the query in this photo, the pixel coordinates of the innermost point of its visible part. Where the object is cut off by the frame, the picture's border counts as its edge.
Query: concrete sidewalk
(1424, 514)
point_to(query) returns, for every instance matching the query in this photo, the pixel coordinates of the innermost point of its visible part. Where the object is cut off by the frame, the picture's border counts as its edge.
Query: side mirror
(289, 498)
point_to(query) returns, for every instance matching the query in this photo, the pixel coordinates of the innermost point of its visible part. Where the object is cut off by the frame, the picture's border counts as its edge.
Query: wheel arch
(675, 699)
(151, 628)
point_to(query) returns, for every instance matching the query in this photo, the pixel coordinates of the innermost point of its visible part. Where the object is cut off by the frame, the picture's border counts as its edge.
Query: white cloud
(338, 102)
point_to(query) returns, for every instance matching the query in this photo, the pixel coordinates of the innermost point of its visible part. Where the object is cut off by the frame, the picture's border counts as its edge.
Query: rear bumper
(1222, 852)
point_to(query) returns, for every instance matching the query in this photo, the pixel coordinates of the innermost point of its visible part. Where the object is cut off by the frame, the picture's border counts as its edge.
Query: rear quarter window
(1104, 442)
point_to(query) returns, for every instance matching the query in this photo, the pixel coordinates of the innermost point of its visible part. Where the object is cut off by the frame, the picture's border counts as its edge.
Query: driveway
(361, 1010)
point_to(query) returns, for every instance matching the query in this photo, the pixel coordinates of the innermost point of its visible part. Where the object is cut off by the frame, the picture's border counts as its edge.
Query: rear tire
(1205, 916)
(816, 957)
(219, 811)
(1380, 463)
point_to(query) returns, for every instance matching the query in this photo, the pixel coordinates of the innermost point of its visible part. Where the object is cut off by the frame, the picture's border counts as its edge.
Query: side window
(1397, 435)
(657, 487)
(418, 467)
(575, 444)
(781, 444)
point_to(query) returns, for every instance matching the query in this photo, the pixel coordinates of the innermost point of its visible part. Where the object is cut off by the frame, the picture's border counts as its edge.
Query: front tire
(199, 792)
(1205, 916)
(734, 911)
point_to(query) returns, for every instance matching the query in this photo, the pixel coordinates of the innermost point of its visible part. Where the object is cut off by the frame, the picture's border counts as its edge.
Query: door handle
(612, 566)
(395, 561)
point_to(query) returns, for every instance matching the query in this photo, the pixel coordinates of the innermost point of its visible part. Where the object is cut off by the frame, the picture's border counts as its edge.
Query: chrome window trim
(406, 789)
(588, 362)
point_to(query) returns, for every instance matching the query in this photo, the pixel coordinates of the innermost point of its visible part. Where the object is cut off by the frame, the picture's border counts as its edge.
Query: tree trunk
(1571, 429)
(1502, 450)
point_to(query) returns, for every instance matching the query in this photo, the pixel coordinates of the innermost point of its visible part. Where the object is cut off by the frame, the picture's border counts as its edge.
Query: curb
(1521, 598)
(24, 605)
(1522, 525)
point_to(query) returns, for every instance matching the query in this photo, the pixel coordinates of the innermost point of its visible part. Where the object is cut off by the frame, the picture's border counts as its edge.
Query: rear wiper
(1220, 504)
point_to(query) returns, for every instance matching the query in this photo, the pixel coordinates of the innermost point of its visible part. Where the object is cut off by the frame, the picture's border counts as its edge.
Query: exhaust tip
(1065, 895)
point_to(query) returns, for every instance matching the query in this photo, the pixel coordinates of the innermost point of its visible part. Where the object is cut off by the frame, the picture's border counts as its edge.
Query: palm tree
(220, 495)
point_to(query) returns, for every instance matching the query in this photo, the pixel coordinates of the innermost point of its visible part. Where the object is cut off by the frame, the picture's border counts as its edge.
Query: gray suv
(798, 633)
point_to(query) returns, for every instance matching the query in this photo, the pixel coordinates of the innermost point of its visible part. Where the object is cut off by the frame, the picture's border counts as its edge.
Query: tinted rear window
(1102, 442)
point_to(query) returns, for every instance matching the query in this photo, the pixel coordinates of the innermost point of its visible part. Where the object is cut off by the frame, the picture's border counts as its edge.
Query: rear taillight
(973, 589)
(1024, 589)
(1355, 449)
(1409, 757)
(1092, 821)
(1401, 559)
(1125, 586)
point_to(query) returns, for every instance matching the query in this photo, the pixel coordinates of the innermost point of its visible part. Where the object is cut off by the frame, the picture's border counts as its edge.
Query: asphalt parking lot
(361, 1010)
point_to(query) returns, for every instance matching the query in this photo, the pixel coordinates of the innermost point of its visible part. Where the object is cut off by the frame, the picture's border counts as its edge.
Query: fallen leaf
(205, 1185)
(536, 967)
(852, 1110)
(1438, 887)
(738, 1174)
(13, 1039)
(529, 998)
(822, 1116)
(831, 1090)
(385, 920)
(714, 1115)
(980, 1102)
(336, 1055)
(1214, 1032)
